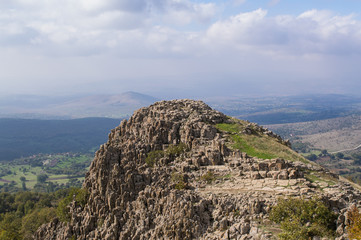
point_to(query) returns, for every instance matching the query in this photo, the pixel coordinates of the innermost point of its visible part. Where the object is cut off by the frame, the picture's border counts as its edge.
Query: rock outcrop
(169, 173)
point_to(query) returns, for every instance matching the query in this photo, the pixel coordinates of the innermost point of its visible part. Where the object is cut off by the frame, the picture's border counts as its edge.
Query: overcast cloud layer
(182, 47)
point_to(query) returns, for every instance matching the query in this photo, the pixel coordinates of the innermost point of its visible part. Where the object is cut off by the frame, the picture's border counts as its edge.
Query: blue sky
(180, 48)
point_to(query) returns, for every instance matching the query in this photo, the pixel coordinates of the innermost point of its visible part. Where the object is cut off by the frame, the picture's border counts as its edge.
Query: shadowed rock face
(173, 199)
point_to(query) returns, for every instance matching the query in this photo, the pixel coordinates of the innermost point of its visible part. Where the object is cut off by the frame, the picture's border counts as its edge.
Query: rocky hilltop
(175, 170)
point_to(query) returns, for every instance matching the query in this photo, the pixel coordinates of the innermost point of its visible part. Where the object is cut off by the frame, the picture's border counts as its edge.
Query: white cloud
(102, 22)
(147, 27)
(312, 32)
(172, 39)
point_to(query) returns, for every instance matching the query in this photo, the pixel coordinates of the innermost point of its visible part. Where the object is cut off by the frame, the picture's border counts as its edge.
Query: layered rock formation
(169, 173)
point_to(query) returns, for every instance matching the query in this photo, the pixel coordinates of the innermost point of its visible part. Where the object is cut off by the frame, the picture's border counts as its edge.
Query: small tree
(42, 178)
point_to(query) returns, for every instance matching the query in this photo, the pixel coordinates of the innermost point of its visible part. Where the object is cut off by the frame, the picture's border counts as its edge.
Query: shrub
(303, 219)
(171, 152)
(179, 181)
(153, 157)
(354, 224)
(175, 150)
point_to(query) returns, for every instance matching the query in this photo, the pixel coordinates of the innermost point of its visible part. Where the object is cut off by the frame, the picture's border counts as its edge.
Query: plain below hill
(25, 137)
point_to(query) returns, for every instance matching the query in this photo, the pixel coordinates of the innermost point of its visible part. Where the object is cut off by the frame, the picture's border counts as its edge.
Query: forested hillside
(24, 137)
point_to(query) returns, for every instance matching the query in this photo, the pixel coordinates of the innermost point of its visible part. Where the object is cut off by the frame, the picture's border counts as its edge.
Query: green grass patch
(229, 127)
(68, 162)
(254, 150)
(257, 145)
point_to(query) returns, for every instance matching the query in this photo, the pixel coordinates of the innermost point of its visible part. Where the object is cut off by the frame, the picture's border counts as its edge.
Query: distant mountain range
(38, 107)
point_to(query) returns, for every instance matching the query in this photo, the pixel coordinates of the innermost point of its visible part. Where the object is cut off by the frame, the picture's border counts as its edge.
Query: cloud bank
(59, 43)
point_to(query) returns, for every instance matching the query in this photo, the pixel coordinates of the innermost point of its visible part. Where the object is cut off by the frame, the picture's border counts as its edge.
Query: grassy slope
(257, 144)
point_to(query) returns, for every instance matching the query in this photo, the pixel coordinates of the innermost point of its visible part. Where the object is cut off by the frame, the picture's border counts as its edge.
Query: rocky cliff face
(169, 173)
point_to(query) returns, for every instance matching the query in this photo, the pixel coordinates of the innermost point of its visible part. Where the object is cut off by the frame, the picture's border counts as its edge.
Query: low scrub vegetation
(153, 157)
(303, 219)
(179, 181)
(175, 150)
(354, 223)
(171, 152)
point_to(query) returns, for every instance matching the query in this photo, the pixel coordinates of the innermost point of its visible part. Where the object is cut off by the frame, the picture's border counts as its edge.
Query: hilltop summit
(180, 170)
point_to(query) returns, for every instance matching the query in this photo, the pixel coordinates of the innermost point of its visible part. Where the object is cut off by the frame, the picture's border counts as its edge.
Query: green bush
(176, 150)
(179, 181)
(79, 195)
(153, 157)
(303, 219)
(171, 152)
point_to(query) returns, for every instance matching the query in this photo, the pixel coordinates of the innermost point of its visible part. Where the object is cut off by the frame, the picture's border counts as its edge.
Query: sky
(180, 48)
